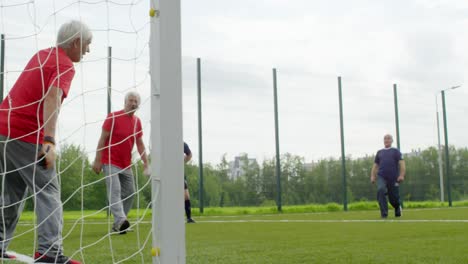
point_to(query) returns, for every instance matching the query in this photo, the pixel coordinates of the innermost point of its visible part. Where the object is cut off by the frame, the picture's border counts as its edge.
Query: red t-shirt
(21, 112)
(123, 129)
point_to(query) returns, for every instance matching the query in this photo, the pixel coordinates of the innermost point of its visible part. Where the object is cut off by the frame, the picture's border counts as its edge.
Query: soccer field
(420, 236)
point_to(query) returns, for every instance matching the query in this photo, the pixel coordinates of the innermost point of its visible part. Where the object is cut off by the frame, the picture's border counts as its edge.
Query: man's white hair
(133, 94)
(71, 31)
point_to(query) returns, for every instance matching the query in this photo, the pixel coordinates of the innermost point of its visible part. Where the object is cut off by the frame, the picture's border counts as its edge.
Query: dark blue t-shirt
(388, 160)
(187, 152)
(187, 149)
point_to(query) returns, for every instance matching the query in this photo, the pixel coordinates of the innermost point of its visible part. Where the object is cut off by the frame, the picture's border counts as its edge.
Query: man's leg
(187, 204)
(43, 184)
(49, 212)
(188, 209)
(11, 205)
(127, 185)
(114, 193)
(12, 195)
(394, 197)
(381, 196)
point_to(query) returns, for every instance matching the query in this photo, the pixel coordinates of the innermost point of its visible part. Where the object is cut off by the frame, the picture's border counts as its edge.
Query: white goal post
(166, 127)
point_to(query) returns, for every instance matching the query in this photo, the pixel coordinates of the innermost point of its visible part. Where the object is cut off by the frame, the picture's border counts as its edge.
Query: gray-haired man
(120, 131)
(28, 118)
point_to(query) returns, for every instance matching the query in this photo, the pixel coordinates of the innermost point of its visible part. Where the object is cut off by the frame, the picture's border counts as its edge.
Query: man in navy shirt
(389, 171)
(187, 205)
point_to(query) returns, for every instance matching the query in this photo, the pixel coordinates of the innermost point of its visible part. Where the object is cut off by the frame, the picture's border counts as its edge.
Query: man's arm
(141, 149)
(188, 157)
(97, 166)
(401, 177)
(52, 103)
(187, 153)
(51, 109)
(374, 170)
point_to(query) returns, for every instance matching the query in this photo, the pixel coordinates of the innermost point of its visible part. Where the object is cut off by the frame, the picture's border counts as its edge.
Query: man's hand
(375, 169)
(46, 157)
(146, 170)
(97, 166)
(400, 178)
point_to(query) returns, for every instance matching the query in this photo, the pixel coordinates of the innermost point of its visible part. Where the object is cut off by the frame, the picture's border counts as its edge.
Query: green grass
(322, 237)
(336, 241)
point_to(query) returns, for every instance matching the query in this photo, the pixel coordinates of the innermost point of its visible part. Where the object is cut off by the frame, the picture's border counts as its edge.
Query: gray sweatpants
(120, 191)
(19, 173)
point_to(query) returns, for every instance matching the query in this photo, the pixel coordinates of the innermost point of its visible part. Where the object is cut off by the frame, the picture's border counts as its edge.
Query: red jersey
(123, 129)
(21, 112)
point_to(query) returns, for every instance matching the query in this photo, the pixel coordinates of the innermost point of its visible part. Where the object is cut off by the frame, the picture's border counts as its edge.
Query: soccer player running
(187, 205)
(389, 171)
(28, 120)
(120, 131)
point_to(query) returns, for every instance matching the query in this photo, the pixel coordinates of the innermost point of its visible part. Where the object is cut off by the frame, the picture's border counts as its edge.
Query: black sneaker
(190, 221)
(398, 211)
(122, 228)
(6, 256)
(60, 259)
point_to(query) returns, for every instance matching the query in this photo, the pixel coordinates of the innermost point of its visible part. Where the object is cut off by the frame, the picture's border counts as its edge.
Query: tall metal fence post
(278, 157)
(447, 157)
(200, 137)
(397, 120)
(343, 155)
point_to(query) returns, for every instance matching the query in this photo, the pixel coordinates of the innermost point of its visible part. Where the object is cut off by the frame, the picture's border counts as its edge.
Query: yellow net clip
(153, 12)
(155, 252)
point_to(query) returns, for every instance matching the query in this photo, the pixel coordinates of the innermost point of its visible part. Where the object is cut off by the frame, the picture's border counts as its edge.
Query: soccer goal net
(116, 211)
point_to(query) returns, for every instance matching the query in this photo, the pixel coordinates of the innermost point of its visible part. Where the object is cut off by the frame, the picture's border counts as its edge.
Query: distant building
(413, 153)
(309, 166)
(236, 167)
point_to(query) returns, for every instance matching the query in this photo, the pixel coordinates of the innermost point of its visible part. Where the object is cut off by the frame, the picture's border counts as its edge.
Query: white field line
(21, 257)
(207, 217)
(304, 221)
(337, 221)
(315, 213)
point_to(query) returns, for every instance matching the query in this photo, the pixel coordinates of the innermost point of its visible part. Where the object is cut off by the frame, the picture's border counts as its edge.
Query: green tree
(222, 170)
(315, 183)
(359, 179)
(459, 179)
(293, 174)
(251, 174)
(267, 181)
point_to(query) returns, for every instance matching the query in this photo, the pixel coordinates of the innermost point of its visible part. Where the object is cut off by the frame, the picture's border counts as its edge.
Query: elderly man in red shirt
(28, 119)
(120, 131)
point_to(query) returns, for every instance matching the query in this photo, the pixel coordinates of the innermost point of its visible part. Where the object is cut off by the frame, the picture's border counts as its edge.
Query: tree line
(81, 188)
(324, 182)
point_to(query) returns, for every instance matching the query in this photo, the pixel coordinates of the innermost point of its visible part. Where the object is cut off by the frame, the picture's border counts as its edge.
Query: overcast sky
(418, 44)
